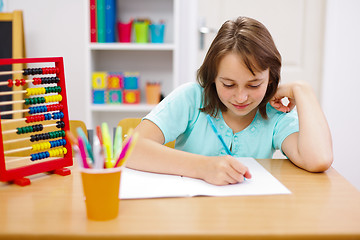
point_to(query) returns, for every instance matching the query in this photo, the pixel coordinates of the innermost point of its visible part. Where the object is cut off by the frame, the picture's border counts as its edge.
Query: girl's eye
(255, 86)
(228, 85)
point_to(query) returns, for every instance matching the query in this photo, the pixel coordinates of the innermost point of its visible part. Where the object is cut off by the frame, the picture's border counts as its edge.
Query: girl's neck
(238, 123)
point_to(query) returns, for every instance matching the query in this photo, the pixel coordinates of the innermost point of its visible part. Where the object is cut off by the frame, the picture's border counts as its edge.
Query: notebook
(138, 184)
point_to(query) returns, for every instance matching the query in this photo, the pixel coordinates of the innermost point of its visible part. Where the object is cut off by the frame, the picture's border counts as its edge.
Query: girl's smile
(241, 106)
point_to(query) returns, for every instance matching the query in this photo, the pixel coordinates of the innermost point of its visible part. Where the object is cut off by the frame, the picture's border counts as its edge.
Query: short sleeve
(177, 111)
(286, 124)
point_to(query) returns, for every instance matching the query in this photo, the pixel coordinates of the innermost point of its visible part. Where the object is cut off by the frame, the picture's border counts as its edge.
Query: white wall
(341, 85)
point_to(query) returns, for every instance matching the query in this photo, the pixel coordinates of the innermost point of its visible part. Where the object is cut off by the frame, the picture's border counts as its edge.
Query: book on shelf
(93, 33)
(102, 21)
(100, 17)
(110, 20)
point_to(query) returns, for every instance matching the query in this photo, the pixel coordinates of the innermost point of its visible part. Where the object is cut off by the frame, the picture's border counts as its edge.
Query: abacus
(39, 134)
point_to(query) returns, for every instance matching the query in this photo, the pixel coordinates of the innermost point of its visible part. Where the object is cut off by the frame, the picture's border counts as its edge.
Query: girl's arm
(150, 155)
(311, 147)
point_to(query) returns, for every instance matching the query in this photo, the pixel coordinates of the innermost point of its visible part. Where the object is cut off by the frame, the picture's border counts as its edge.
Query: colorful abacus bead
(53, 98)
(37, 81)
(58, 143)
(48, 135)
(47, 116)
(10, 83)
(48, 145)
(58, 115)
(41, 146)
(46, 80)
(32, 71)
(54, 107)
(39, 109)
(38, 118)
(36, 71)
(60, 124)
(38, 156)
(49, 80)
(36, 100)
(28, 129)
(50, 153)
(35, 91)
(56, 89)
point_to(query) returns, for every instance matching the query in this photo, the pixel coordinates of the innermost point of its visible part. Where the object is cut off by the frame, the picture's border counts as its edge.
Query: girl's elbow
(320, 163)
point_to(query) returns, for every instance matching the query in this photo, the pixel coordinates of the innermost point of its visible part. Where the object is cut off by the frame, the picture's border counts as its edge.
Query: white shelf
(154, 61)
(122, 107)
(133, 46)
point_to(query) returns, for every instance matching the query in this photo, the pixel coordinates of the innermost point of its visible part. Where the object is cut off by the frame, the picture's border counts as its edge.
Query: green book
(100, 11)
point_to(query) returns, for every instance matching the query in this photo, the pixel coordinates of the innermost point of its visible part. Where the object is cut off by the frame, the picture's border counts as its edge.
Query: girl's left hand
(283, 91)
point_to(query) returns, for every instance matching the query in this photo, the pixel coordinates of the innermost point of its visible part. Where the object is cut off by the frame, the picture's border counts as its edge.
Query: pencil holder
(101, 190)
(124, 31)
(157, 33)
(141, 32)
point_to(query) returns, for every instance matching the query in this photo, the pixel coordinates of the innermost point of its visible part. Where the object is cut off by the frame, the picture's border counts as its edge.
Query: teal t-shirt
(178, 116)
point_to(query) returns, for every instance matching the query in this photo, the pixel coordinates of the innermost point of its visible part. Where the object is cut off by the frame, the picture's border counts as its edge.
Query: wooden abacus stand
(60, 155)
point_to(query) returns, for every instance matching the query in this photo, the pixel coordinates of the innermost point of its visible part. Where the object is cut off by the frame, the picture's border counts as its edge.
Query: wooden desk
(321, 206)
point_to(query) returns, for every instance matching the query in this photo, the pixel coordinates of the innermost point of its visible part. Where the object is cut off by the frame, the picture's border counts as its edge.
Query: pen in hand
(218, 135)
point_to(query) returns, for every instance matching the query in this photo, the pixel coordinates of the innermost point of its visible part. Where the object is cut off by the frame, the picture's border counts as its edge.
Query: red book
(93, 34)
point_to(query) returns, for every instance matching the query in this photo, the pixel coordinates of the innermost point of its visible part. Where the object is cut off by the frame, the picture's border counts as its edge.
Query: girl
(238, 86)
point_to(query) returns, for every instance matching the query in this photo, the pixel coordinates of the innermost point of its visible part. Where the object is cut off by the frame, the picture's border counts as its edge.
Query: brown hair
(253, 42)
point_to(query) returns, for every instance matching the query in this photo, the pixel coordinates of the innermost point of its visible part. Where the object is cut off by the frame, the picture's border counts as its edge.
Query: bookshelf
(156, 62)
(132, 46)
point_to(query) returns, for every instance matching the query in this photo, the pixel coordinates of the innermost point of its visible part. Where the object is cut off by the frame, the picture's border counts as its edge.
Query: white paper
(138, 184)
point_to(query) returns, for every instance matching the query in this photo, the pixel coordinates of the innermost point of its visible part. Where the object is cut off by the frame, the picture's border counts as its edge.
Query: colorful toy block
(114, 96)
(115, 80)
(116, 87)
(131, 81)
(99, 80)
(131, 96)
(98, 96)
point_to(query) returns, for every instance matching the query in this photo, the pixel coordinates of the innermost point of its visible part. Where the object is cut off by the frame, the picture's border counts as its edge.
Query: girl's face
(238, 89)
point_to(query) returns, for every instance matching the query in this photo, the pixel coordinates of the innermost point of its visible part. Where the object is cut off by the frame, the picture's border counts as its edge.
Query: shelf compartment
(153, 66)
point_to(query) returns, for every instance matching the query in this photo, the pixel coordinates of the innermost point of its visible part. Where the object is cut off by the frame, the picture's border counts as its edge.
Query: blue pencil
(218, 135)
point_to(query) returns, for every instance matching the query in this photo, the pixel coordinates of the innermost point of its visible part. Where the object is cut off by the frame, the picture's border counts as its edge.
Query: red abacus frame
(56, 165)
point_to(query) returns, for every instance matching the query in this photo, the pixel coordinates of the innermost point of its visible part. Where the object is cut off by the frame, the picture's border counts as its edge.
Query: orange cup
(153, 92)
(101, 190)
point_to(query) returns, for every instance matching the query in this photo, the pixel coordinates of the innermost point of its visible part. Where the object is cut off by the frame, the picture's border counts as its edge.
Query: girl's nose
(241, 96)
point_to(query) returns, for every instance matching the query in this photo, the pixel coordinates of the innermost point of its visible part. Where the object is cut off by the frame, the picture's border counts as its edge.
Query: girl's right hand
(224, 170)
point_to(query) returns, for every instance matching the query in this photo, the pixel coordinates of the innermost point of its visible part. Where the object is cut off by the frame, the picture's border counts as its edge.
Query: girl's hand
(283, 91)
(224, 170)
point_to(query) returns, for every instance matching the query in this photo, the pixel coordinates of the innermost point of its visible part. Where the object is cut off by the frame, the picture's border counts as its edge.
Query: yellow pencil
(117, 142)
(107, 145)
